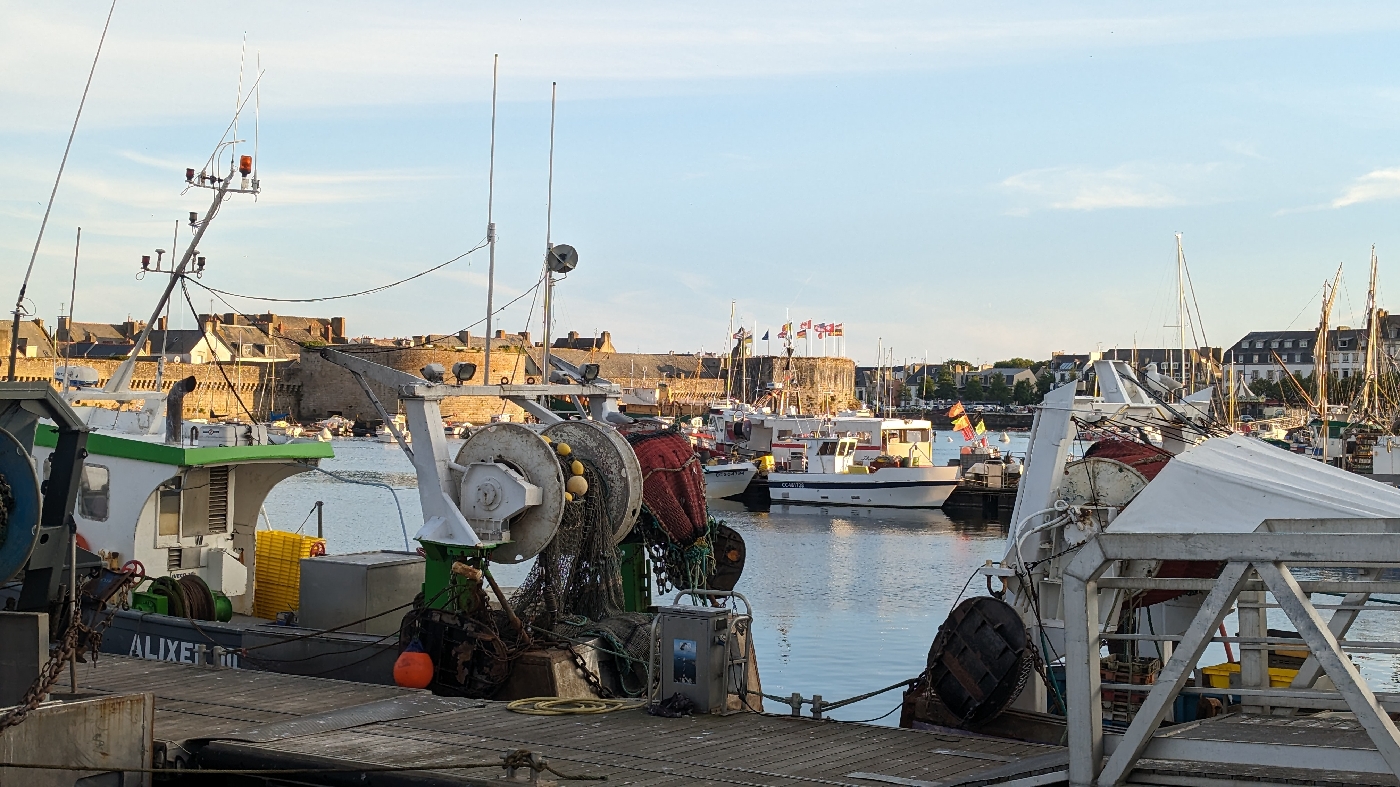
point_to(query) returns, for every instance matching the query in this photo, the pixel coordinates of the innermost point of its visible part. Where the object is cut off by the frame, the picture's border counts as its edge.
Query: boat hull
(728, 480)
(892, 487)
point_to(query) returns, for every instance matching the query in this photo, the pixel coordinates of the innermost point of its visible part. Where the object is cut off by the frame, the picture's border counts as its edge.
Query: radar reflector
(561, 258)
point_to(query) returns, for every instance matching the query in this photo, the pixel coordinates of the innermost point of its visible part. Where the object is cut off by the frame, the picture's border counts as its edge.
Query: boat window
(93, 492)
(168, 513)
(827, 449)
(845, 448)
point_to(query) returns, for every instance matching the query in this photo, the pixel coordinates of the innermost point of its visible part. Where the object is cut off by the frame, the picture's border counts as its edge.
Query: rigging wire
(24, 285)
(380, 288)
(222, 372)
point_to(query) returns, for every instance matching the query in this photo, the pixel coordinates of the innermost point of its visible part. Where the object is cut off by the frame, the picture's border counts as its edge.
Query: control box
(694, 655)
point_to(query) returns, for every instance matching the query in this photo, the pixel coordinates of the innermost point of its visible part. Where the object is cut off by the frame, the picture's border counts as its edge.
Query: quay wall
(331, 390)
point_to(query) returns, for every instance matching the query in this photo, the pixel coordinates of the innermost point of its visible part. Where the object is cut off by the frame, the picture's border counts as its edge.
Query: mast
(729, 338)
(548, 246)
(1320, 356)
(1370, 397)
(1181, 309)
(490, 223)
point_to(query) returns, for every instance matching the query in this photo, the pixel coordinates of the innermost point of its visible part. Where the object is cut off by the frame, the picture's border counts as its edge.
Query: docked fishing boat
(728, 480)
(826, 471)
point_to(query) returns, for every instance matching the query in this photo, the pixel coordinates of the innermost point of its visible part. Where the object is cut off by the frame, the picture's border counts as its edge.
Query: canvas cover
(1232, 484)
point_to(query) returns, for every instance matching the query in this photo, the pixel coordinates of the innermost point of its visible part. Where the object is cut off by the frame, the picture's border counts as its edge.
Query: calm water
(846, 600)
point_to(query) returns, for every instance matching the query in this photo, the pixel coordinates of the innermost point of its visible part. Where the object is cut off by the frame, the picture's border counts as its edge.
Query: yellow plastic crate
(1219, 675)
(277, 571)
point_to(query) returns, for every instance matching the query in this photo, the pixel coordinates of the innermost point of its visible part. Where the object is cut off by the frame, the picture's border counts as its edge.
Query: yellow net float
(563, 449)
(576, 468)
(576, 485)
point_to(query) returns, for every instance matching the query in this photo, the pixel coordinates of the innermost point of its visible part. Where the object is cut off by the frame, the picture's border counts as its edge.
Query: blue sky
(949, 181)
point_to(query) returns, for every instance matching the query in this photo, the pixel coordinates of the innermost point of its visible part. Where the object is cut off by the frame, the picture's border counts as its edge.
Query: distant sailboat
(1005, 438)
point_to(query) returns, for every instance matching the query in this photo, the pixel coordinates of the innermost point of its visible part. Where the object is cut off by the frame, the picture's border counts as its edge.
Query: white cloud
(1376, 185)
(1124, 186)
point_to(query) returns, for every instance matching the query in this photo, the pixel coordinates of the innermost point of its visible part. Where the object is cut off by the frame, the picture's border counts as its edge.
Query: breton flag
(956, 410)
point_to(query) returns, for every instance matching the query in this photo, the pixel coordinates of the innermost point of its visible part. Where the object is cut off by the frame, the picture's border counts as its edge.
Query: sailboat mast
(1181, 310)
(1320, 356)
(1369, 395)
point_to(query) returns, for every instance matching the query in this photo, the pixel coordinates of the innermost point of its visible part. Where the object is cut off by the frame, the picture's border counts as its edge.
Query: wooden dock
(226, 718)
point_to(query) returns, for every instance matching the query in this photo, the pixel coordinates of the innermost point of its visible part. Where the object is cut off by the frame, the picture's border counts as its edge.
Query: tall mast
(548, 246)
(1181, 309)
(490, 223)
(728, 342)
(1320, 356)
(1369, 396)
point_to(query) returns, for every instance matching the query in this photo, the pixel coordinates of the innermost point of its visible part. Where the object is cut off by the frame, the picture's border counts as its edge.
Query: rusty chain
(594, 682)
(53, 668)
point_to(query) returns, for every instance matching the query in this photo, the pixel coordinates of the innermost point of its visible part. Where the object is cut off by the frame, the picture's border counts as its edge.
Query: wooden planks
(630, 747)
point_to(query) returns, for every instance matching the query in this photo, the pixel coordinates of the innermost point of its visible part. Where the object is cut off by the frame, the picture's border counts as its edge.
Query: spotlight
(590, 373)
(433, 372)
(463, 371)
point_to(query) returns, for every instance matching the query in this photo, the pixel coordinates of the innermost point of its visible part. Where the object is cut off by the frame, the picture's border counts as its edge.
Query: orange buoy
(414, 668)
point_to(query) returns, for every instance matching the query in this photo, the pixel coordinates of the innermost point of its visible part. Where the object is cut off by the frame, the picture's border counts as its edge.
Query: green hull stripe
(107, 445)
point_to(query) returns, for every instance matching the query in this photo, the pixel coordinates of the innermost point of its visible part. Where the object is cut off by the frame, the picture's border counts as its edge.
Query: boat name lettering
(176, 650)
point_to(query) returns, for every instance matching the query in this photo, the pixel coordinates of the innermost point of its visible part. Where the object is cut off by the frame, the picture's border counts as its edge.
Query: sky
(946, 180)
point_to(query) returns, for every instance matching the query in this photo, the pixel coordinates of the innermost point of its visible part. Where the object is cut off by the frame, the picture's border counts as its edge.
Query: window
(1287, 343)
(1346, 373)
(827, 449)
(94, 488)
(168, 513)
(1256, 358)
(1254, 375)
(1259, 345)
(1303, 343)
(1273, 345)
(1271, 374)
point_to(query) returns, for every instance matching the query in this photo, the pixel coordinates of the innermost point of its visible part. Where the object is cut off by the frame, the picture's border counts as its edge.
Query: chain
(53, 668)
(588, 675)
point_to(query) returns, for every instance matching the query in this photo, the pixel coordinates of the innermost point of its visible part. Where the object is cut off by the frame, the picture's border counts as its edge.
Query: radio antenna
(490, 223)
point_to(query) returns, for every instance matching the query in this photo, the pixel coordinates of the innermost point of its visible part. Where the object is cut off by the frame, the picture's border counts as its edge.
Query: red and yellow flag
(956, 410)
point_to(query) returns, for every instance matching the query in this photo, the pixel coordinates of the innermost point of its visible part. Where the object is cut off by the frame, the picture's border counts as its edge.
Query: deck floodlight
(433, 372)
(194, 218)
(463, 371)
(590, 372)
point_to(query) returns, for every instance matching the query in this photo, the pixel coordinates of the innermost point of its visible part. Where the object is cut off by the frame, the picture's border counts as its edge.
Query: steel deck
(262, 720)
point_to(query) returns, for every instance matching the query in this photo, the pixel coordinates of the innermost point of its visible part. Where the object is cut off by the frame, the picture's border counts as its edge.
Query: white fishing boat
(728, 480)
(826, 472)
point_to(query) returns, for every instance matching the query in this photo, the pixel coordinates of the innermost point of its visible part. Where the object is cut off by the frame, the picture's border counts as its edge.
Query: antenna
(549, 247)
(24, 286)
(490, 222)
(72, 296)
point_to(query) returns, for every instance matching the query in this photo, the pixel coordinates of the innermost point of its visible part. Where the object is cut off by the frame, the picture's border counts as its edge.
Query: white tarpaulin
(1232, 484)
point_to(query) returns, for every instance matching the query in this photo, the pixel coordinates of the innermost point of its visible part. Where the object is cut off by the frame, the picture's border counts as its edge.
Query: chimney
(525, 338)
(62, 333)
(604, 337)
(268, 318)
(419, 340)
(39, 321)
(500, 334)
(129, 329)
(464, 337)
(573, 336)
(338, 327)
(161, 323)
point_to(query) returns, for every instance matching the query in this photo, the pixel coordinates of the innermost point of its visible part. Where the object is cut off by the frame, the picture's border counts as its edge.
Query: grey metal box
(336, 589)
(693, 655)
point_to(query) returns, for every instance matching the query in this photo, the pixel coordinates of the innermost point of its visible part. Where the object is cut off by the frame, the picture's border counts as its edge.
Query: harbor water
(846, 600)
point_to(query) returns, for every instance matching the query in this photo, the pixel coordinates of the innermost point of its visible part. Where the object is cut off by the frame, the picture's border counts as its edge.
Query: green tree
(945, 387)
(1014, 363)
(973, 390)
(999, 391)
(1024, 392)
(1043, 384)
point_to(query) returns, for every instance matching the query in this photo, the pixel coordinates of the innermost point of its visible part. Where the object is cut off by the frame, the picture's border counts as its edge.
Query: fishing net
(625, 636)
(673, 484)
(579, 571)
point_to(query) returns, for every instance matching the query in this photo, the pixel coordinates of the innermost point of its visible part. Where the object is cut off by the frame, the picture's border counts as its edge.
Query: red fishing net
(1146, 459)
(673, 484)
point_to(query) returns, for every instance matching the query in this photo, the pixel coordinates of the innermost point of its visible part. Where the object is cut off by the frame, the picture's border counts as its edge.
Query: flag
(748, 339)
(802, 334)
(740, 334)
(765, 336)
(820, 328)
(981, 427)
(786, 332)
(968, 434)
(961, 424)
(838, 329)
(807, 325)
(956, 410)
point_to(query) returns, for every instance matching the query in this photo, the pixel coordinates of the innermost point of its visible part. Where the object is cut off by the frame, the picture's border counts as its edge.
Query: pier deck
(263, 720)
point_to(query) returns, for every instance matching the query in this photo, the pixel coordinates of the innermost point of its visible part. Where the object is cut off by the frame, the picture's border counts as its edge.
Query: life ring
(505, 381)
(135, 569)
(529, 381)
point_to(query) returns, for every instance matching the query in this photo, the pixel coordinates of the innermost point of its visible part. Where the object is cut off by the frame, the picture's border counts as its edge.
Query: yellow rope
(560, 706)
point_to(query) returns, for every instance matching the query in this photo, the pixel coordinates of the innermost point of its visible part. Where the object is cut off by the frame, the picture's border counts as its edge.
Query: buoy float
(576, 486)
(576, 468)
(414, 667)
(563, 449)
